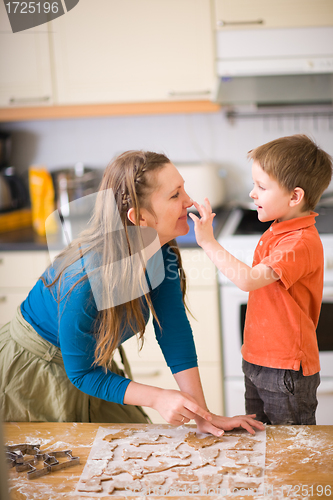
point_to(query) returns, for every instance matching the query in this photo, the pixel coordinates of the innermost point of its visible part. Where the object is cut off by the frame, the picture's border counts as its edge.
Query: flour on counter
(222, 466)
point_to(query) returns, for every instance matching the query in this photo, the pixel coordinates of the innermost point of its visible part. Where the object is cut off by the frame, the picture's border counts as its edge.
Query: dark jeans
(280, 397)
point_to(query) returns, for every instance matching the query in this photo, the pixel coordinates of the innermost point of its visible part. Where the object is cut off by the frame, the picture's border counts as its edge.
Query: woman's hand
(179, 408)
(203, 227)
(228, 423)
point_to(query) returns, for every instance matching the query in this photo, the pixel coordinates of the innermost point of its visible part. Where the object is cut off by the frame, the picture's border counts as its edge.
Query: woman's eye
(175, 195)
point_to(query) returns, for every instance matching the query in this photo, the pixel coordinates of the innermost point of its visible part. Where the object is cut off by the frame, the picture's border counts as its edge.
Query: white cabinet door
(257, 14)
(130, 50)
(25, 77)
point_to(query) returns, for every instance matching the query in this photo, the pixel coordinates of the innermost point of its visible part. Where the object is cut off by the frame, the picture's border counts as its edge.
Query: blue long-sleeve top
(67, 320)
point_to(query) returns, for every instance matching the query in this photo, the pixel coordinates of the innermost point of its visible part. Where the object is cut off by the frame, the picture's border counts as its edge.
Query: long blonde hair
(131, 178)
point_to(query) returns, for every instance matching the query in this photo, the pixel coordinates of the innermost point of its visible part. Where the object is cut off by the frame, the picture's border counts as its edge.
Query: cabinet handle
(26, 100)
(3, 299)
(222, 23)
(175, 93)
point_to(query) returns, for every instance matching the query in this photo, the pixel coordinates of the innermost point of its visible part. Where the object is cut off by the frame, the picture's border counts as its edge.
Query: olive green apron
(34, 386)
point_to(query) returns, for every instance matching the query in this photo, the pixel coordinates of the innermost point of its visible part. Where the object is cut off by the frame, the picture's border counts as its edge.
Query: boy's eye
(262, 188)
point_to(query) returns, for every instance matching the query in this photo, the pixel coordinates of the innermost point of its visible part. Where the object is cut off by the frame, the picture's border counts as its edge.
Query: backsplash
(183, 138)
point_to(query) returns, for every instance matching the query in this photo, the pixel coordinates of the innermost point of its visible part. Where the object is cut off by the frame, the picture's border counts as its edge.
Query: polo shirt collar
(294, 224)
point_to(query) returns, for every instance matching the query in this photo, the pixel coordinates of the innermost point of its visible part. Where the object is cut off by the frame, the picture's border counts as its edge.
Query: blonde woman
(56, 355)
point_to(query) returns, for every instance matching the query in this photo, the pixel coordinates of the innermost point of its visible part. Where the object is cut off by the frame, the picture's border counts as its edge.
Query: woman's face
(169, 201)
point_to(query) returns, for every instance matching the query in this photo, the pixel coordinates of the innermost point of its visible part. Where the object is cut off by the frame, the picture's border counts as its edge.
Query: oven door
(325, 343)
(233, 310)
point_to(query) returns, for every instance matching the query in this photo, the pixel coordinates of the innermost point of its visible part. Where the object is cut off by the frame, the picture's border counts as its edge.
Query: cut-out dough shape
(186, 475)
(208, 456)
(235, 484)
(172, 452)
(90, 485)
(195, 442)
(152, 481)
(126, 433)
(244, 444)
(117, 484)
(95, 468)
(114, 470)
(104, 452)
(136, 455)
(241, 457)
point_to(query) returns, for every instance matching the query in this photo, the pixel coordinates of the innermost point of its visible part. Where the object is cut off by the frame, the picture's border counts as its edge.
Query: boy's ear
(132, 218)
(297, 196)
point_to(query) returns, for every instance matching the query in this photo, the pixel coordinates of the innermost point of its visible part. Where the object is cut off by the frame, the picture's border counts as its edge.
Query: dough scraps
(193, 440)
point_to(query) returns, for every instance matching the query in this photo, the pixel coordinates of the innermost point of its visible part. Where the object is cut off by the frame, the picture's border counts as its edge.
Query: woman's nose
(188, 202)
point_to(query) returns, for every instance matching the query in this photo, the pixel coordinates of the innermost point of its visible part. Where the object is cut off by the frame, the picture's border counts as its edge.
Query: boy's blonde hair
(296, 161)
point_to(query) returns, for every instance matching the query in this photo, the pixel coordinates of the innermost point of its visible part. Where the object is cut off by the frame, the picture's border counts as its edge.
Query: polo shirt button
(271, 229)
(260, 243)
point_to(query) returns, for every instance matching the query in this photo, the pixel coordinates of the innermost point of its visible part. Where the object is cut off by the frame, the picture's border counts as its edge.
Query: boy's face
(271, 200)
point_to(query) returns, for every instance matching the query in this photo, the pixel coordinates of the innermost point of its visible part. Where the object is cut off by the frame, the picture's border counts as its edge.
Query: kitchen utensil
(203, 180)
(13, 193)
(74, 183)
(5, 148)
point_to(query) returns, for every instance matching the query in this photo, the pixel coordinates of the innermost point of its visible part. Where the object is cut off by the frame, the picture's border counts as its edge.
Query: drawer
(8, 304)
(204, 305)
(21, 269)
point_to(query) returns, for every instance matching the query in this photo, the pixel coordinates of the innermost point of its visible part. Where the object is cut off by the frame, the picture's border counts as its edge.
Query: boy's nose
(251, 194)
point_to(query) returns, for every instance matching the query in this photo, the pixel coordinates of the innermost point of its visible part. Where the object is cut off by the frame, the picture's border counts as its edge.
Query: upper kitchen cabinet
(256, 14)
(114, 51)
(25, 61)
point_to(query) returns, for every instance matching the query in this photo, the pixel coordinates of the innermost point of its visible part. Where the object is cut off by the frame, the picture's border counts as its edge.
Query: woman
(56, 356)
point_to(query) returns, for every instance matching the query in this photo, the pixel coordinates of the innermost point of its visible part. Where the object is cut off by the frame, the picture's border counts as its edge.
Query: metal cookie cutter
(15, 458)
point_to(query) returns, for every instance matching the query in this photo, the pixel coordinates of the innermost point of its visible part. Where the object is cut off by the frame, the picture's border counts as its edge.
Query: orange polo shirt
(281, 318)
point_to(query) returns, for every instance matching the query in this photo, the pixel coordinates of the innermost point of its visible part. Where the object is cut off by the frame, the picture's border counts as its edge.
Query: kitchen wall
(192, 137)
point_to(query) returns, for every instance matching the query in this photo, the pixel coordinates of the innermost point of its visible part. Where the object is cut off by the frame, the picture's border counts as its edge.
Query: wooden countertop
(299, 459)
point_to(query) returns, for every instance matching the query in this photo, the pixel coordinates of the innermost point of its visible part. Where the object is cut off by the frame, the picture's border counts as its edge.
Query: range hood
(270, 67)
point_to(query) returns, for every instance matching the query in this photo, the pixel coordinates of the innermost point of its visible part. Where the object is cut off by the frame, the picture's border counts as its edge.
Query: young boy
(280, 350)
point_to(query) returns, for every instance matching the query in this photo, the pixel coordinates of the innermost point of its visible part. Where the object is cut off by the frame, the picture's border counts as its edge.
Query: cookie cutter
(15, 455)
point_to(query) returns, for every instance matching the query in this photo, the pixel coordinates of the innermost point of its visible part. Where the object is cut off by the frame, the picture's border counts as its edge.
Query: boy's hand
(203, 227)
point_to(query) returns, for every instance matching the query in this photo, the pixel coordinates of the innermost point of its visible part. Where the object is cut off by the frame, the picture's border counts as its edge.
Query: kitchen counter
(26, 239)
(299, 460)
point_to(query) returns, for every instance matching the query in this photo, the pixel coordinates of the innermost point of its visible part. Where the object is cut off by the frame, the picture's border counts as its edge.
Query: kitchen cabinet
(261, 14)
(149, 367)
(130, 51)
(19, 271)
(25, 65)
